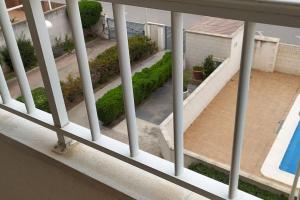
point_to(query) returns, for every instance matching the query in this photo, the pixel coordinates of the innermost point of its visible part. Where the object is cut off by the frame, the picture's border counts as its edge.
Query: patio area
(270, 98)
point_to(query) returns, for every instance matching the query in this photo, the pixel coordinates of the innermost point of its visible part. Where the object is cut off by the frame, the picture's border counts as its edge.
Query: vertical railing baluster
(5, 95)
(177, 77)
(15, 56)
(295, 184)
(124, 62)
(82, 58)
(241, 107)
(41, 41)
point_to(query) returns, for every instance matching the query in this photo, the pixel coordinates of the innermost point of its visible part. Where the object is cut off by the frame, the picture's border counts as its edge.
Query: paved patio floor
(270, 98)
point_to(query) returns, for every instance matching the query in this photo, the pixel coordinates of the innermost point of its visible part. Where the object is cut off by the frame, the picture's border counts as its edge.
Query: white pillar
(83, 63)
(177, 60)
(3, 88)
(125, 68)
(241, 107)
(41, 41)
(295, 183)
(49, 3)
(15, 56)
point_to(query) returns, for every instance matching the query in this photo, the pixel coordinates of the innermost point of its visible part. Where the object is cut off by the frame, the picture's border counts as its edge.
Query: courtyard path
(65, 65)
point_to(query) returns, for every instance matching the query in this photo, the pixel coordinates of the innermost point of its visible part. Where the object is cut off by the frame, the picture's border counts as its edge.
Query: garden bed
(244, 186)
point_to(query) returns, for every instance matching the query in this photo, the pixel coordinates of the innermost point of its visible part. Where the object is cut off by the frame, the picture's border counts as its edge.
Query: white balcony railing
(280, 12)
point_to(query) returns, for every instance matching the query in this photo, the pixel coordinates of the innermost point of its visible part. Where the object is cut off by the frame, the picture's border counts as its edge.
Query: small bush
(40, 99)
(209, 65)
(111, 105)
(244, 186)
(63, 46)
(90, 12)
(72, 89)
(27, 54)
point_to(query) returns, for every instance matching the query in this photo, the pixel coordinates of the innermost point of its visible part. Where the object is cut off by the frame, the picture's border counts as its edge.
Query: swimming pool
(291, 157)
(282, 159)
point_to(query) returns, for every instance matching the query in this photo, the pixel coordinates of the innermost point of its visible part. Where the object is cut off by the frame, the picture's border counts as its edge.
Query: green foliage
(27, 54)
(106, 65)
(244, 186)
(40, 99)
(198, 68)
(72, 89)
(111, 105)
(209, 65)
(63, 46)
(90, 12)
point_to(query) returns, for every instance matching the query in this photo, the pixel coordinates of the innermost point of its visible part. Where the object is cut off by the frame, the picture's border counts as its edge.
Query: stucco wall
(60, 26)
(199, 46)
(265, 53)
(156, 32)
(288, 59)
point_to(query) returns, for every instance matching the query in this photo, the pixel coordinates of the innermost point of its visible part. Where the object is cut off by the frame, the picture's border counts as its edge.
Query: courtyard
(270, 98)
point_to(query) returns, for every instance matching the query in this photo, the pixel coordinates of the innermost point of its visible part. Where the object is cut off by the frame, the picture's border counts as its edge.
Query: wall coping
(90, 162)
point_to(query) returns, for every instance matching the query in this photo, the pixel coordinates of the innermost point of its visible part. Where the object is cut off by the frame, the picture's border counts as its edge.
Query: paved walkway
(65, 65)
(270, 98)
(78, 114)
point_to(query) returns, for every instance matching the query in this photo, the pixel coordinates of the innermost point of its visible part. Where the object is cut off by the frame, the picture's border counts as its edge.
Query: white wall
(60, 26)
(156, 32)
(288, 59)
(265, 53)
(199, 46)
(57, 17)
(206, 91)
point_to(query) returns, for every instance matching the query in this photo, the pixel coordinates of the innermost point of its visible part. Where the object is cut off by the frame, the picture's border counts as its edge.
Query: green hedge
(40, 99)
(27, 54)
(111, 105)
(244, 186)
(106, 65)
(90, 12)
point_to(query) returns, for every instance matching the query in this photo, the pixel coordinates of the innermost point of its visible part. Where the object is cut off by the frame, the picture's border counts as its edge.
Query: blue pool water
(292, 155)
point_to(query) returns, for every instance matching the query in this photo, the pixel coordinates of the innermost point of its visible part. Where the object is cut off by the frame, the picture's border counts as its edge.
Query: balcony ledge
(22, 134)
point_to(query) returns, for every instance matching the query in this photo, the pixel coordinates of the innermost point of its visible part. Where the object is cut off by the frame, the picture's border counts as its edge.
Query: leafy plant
(209, 65)
(111, 105)
(72, 88)
(198, 68)
(244, 186)
(27, 54)
(63, 46)
(90, 12)
(40, 99)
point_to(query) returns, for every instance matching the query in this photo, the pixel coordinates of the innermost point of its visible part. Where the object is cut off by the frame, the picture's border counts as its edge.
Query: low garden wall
(196, 103)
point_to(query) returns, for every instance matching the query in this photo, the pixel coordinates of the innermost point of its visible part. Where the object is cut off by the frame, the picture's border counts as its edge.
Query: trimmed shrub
(27, 54)
(90, 12)
(106, 65)
(40, 99)
(244, 186)
(111, 106)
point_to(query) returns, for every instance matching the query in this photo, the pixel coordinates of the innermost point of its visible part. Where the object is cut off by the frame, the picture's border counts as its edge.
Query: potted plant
(198, 73)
